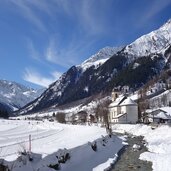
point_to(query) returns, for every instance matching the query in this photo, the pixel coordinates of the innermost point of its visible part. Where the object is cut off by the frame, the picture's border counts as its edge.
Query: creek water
(128, 159)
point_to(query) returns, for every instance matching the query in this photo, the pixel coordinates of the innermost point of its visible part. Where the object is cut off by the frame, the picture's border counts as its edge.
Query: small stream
(128, 159)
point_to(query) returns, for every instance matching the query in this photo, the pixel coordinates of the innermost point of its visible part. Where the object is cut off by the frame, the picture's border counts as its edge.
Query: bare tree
(164, 100)
(102, 113)
(98, 112)
(60, 117)
(142, 102)
(91, 118)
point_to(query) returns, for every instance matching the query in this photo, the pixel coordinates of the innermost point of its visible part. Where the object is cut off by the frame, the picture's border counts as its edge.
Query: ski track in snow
(47, 137)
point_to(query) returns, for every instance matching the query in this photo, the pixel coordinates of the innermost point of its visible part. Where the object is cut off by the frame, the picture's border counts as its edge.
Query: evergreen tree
(4, 114)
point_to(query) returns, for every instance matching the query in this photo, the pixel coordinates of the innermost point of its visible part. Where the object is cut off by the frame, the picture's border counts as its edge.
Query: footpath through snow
(158, 143)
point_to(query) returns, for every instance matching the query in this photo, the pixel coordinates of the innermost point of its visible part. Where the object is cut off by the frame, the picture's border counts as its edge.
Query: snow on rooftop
(166, 109)
(161, 115)
(117, 101)
(127, 102)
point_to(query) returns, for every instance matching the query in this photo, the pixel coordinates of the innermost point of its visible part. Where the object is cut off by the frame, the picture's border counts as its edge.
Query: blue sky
(41, 39)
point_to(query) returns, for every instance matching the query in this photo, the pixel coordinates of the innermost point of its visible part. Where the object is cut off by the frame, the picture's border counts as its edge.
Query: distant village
(123, 106)
(125, 110)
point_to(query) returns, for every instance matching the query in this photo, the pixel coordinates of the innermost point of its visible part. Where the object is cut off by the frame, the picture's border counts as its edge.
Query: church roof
(128, 102)
(117, 101)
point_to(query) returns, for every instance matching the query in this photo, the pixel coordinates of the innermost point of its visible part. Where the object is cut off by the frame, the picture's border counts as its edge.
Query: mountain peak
(151, 43)
(100, 57)
(166, 27)
(16, 95)
(168, 21)
(131, 66)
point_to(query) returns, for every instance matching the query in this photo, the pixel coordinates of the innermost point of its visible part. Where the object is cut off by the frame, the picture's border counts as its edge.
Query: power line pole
(30, 144)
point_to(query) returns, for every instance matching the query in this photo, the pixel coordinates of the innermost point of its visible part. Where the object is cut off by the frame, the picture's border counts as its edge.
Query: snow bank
(159, 143)
(106, 165)
(47, 140)
(47, 137)
(82, 158)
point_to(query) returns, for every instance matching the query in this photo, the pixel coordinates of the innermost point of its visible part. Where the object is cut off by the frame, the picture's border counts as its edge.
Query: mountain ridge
(100, 57)
(14, 95)
(151, 43)
(129, 66)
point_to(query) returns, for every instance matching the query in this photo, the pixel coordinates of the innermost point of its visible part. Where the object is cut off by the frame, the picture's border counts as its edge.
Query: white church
(122, 109)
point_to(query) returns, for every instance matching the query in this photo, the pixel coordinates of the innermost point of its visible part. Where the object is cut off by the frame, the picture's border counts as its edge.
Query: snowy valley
(83, 120)
(52, 139)
(133, 66)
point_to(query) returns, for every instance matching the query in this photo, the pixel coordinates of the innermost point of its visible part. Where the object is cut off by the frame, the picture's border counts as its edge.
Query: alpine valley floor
(48, 138)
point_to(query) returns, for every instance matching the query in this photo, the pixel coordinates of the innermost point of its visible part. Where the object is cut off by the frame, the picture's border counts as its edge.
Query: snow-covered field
(49, 137)
(158, 143)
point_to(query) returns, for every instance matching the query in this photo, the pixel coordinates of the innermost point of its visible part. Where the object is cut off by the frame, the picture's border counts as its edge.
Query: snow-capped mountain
(152, 43)
(130, 66)
(57, 89)
(15, 96)
(100, 57)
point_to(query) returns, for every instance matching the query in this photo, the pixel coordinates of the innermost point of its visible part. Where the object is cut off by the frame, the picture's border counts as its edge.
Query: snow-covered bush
(104, 140)
(55, 166)
(60, 117)
(93, 145)
(3, 167)
(63, 155)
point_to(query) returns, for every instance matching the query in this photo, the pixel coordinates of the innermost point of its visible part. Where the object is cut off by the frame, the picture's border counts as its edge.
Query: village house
(159, 115)
(79, 118)
(123, 110)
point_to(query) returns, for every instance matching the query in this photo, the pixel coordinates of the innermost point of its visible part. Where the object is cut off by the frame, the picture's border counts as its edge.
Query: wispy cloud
(69, 55)
(27, 10)
(87, 23)
(93, 21)
(82, 12)
(89, 19)
(152, 10)
(64, 56)
(32, 50)
(157, 7)
(34, 77)
(56, 75)
(59, 55)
